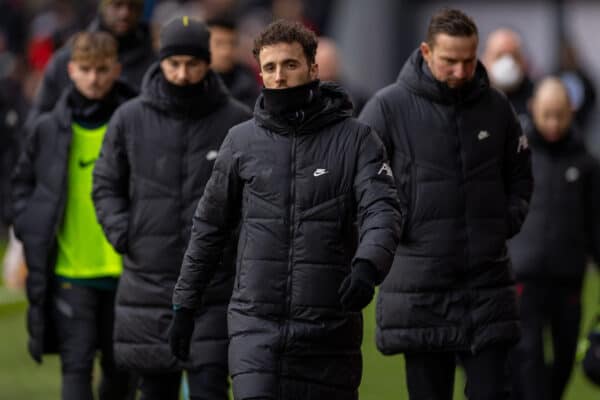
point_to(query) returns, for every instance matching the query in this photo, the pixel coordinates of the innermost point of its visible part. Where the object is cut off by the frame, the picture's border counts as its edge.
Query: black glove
(181, 333)
(35, 350)
(358, 288)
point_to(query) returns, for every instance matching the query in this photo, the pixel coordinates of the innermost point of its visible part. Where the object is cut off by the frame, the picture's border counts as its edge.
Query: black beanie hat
(185, 36)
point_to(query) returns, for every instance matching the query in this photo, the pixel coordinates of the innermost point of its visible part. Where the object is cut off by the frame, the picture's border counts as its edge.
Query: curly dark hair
(451, 22)
(284, 31)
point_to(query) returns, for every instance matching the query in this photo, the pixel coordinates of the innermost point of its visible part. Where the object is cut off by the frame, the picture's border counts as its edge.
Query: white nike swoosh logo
(320, 171)
(212, 155)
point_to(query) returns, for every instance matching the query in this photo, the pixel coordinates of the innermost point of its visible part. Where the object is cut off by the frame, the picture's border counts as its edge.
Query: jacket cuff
(366, 272)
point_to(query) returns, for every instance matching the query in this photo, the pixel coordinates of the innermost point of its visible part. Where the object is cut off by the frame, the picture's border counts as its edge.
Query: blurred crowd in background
(31, 30)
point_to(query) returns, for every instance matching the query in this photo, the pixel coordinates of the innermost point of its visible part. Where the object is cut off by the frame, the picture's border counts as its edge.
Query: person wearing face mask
(314, 196)
(505, 63)
(550, 253)
(120, 18)
(462, 168)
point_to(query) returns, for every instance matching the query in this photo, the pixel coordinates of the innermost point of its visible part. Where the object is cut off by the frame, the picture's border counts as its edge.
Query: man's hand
(181, 333)
(358, 288)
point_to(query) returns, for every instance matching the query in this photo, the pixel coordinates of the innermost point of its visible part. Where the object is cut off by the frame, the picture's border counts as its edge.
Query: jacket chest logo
(523, 144)
(212, 155)
(483, 135)
(385, 168)
(572, 174)
(320, 171)
(86, 163)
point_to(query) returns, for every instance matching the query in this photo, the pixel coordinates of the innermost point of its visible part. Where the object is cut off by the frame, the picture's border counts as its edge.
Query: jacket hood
(334, 105)
(212, 94)
(119, 94)
(414, 78)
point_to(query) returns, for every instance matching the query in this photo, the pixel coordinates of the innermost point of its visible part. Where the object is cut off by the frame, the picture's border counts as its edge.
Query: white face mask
(506, 73)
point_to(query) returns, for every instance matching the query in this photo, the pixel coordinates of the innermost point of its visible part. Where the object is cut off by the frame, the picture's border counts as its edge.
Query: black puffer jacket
(461, 160)
(135, 55)
(298, 188)
(563, 224)
(157, 156)
(39, 195)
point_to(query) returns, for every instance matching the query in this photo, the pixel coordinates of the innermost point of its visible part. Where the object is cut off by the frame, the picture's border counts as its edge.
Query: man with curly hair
(298, 179)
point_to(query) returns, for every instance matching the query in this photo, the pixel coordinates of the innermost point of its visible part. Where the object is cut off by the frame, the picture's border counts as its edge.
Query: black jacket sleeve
(376, 114)
(518, 177)
(217, 214)
(378, 209)
(111, 185)
(23, 180)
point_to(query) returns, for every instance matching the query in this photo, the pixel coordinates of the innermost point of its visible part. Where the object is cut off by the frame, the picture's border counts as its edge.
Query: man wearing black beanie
(298, 179)
(155, 162)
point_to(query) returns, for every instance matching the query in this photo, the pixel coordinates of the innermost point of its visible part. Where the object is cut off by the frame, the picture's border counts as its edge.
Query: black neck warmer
(186, 92)
(92, 113)
(289, 101)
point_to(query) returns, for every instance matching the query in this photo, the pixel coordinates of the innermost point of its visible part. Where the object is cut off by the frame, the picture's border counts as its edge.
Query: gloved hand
(181, 332)
(358, 288)
(35, 351)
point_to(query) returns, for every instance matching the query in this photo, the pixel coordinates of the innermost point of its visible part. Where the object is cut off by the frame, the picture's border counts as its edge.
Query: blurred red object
(39, 51)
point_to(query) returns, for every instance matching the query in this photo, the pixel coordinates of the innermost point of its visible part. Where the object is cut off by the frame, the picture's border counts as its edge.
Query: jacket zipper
(292, 236)
(468, 290)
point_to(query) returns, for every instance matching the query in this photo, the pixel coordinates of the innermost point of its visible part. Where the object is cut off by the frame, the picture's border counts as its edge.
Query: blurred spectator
(122, 18)
(168, 10)
(239, 79)
(580, 87)
(292, 10)
(328, 60)
(13, 109)
(12, 27)
(550, 254)
(504, 60)
(7, 58)
(215, 8)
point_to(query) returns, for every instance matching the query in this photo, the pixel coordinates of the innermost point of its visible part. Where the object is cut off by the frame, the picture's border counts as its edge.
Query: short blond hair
(93, 47)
